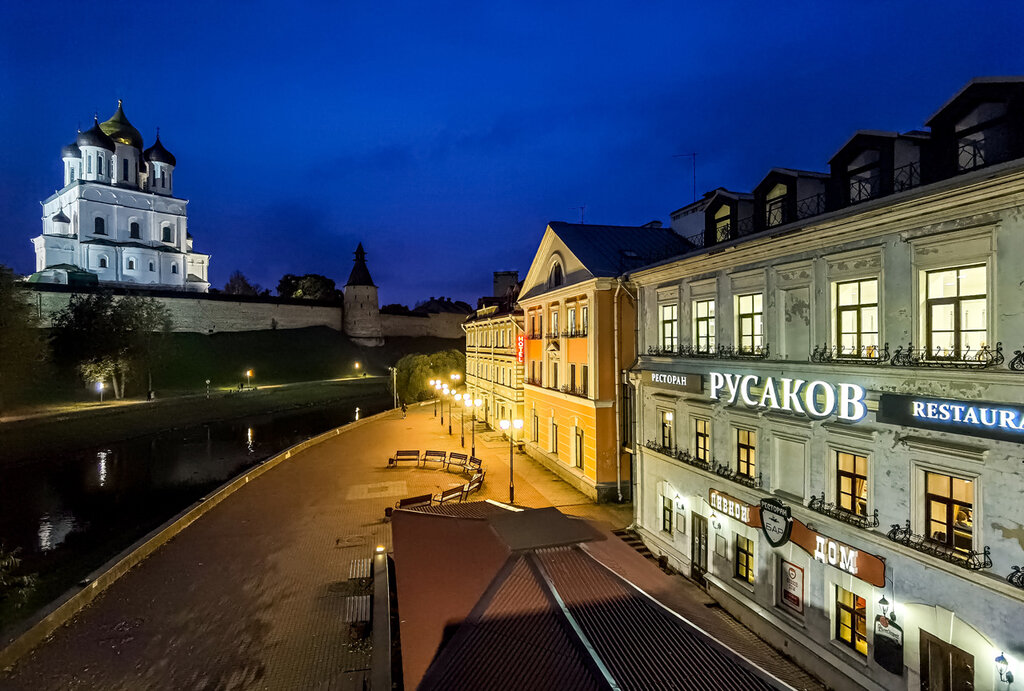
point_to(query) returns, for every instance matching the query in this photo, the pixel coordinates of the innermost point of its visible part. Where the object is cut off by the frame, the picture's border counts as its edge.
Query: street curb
(60, 611)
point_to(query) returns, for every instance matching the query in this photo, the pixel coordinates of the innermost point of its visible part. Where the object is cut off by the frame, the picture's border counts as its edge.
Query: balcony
(722, 352)
(865, 355)
(948, 359)
(533, 381)
(864, 186)
(575, 333)
(840, 514)
(712, 466)
(968, 559)
(906, 177)
(810, 206)
(580, 391)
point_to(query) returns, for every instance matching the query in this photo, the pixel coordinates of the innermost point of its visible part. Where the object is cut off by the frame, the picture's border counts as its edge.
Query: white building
(116, 219)
(829, 435)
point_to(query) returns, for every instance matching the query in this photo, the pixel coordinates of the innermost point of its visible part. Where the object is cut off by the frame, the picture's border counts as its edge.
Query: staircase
(634, 541)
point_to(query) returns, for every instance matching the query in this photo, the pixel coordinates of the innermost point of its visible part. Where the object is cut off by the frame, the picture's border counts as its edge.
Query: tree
(308, 287)
(109, 339)
(238, 284)
(16, 587)
(23, 352)
(414, 373)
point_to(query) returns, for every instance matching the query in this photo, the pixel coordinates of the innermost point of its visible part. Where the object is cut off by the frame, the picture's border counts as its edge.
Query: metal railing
(968, 559)
(1017, 362)
(906, 177)
(970, 154)
(832, 510)
(580, 391)
(948, 359)
(533, 382)
(810, 206)
(712, 465)
(864, 186)
(722, 352)
(864, 355)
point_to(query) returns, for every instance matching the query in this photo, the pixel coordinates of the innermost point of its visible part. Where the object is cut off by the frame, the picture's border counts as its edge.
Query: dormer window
(864, 176)
(774, 207)
(981, 136)
(556, 278)
(723, 224)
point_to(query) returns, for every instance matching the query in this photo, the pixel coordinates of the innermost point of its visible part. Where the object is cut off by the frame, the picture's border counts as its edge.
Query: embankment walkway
(253, 593)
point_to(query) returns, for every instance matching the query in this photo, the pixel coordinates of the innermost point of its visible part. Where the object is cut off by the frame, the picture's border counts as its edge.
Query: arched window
(103, 262)
(131, 265)
(555, 278)
(167, 234)
(99, 164)
(174, 268)
(100, 226)
(151, 267)
(134, 231)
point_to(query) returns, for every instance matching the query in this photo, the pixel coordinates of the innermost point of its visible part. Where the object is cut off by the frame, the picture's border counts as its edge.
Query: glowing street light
(433, 384)
(99, 387)
(461, 399)
(248, 378)
(473, 404)
(508, 426)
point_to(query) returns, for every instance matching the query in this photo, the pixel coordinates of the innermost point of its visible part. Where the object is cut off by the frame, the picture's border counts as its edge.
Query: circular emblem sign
(776, 522)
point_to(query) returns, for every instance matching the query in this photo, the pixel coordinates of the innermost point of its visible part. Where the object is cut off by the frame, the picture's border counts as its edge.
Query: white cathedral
(116, 221)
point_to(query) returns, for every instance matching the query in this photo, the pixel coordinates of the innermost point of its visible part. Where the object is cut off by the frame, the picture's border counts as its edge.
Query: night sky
(444, 136)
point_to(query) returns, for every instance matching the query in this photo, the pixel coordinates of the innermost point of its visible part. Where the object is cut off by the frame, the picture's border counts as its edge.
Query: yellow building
(494, 362)
(580, 323)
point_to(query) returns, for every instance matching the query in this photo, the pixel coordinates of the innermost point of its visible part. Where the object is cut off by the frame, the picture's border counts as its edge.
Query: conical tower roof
(360, 275)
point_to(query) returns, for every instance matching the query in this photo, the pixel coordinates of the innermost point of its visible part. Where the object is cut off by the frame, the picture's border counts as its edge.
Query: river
(71, 512)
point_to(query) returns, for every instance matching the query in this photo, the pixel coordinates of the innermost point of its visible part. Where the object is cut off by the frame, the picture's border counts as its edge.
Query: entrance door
(944, 667)
(699, 549)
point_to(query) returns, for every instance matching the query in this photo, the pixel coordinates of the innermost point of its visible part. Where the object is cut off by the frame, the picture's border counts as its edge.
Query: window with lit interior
(750, 322)
(746, 452)
(857, 318)
(744, 559)
(851, 620)
(956, 312)
(704, 325)
(669, 326)
(949, 511)
(852, 483)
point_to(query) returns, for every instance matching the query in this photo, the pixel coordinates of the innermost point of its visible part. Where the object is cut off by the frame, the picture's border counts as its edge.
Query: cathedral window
(163, 180)
(131, 265)
(151, 267)
(134, 231)
(88, 164)
(167, 234)
(103, 262)
(72, 174)
(99, 164)
(174, 268)
(100, 227)
(124, 169)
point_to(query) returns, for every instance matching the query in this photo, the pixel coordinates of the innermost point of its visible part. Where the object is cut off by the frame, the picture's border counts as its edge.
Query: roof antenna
(583, 210)
(692, 156)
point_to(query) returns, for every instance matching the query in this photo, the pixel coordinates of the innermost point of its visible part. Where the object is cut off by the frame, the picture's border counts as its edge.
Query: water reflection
(102, 466)
(53, 530)
(248, 440)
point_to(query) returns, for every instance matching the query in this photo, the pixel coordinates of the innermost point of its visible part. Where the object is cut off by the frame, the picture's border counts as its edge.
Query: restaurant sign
(792, 586)
(694, 383)
(973, 418)
(815, 399)
(776, 522)
(731, 507)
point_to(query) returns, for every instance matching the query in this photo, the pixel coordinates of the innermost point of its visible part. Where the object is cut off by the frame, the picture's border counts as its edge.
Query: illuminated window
(949, 511)
(702, 440)
(571, 321)
(667, 428)
(750, 322)
(774, 207)
(746, 452)
(554, 323)
(669, 326)
(666, 515)
(723, 227)
(857, 318)
(744, 559)
(704, 325)
(99, 226)
(851, 620)
(852, 483)
(956, 311)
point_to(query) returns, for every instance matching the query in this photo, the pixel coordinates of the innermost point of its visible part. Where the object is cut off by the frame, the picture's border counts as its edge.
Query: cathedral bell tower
(362, 310)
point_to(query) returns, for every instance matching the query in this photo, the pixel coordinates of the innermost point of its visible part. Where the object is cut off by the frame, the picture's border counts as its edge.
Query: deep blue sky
(445, 135)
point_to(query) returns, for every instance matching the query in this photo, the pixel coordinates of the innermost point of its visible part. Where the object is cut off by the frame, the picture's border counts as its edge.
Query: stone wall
(443, 325)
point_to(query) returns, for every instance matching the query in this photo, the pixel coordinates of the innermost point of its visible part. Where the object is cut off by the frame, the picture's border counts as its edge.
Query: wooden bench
(472, 486)
(456, 458)
(431, 455)
(454, 494)
(404, 455)
(473, 465)
(414, 502)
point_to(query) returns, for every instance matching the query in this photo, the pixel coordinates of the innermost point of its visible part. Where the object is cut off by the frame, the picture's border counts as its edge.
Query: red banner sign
(520, 348)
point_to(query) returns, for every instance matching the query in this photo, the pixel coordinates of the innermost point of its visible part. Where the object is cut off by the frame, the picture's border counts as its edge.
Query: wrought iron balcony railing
(968, 559)
(947, 359)
(810, 206)
(580, 391)
(552, 335)
(1017, 362)
(970, 154)
(535, 335)
(906, 177)
(865, 355)
(722, 352)
(712, 465)
(1016, 577)
(837, 512)
(533, 381)
(864, 186)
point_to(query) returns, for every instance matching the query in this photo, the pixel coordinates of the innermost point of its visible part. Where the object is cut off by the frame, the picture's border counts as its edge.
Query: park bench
(456, 458)
(473, 465)
(456, 493)
(431, 455)
(472, 486)
(404, 455)
(414, 502)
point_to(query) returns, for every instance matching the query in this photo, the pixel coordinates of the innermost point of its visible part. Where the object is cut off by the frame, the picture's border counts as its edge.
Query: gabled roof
(609, 251)
(528, 606)
(975, 85)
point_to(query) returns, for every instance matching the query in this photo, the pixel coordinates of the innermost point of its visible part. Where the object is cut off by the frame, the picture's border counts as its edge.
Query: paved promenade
(253, 594)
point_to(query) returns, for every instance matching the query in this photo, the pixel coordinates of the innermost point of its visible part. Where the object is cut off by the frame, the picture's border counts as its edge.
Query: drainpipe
(618, 388)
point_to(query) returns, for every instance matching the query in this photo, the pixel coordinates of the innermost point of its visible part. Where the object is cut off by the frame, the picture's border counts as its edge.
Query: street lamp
(509, 426)
(473, 405)
(99, 387)
(455, 378)
(462, 398)
(442, 389)
(207, 388)
(451, 395)
(433, 383)
(248, 378)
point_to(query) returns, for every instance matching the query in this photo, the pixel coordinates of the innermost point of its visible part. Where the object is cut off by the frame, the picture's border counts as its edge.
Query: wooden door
(699, 548)
(945, 667)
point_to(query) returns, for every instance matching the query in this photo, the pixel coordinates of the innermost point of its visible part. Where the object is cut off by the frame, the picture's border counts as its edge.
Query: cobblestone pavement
(257, 594)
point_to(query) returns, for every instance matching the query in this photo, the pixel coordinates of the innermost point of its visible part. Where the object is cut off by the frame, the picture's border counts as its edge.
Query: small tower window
(163, 180)
(151, 267)
(88, 163)
(131, 265)
(167, 234)
(124, 169)
(100, 226)
(174, 268)
(103, 262)
(72, 173)
(134, 230)
(99, 164)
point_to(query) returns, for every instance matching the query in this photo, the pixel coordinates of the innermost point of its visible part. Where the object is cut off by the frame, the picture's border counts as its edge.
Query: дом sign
(815, 399)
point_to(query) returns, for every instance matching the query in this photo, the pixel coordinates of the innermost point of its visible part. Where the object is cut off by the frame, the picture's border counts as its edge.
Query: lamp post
(473, 405)
(433, 382)
(99, 387)
(443, 391)
(463, 399)
(509, 426)
(248, 378)
(207, 388)
(451, 395)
